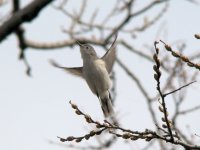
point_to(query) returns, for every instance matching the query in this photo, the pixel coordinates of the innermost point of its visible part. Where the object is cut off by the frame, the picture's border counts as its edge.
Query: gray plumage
(96, 73)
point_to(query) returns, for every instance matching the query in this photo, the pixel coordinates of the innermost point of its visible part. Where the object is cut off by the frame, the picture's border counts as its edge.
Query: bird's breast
(96, 75)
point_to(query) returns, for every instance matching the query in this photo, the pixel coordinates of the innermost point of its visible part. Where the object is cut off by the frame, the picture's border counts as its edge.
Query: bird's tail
(106, 105)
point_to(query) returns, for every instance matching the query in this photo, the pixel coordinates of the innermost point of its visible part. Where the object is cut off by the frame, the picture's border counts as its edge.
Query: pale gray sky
(35, 109)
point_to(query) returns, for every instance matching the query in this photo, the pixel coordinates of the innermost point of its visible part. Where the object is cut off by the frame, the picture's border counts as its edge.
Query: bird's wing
(75, 70)
(110, 55)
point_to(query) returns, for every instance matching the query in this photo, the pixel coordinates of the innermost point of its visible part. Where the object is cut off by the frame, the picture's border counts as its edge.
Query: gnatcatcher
(96, 72)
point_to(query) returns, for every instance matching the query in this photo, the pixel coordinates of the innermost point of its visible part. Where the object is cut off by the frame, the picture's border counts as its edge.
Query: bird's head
(87, 51)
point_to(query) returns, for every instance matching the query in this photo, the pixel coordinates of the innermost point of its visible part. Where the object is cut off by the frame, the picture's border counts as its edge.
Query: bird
(96, 72)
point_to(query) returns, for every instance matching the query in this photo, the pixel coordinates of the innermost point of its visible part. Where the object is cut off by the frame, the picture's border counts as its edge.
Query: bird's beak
(79, 43)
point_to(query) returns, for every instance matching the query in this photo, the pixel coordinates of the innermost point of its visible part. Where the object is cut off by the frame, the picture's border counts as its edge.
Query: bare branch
(162, 108)
(182, 57)
(123, 133)
(178, 89)
(24, 15)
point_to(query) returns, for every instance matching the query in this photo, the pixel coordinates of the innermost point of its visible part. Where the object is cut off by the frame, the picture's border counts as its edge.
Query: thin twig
(157, 78)
(178, 89)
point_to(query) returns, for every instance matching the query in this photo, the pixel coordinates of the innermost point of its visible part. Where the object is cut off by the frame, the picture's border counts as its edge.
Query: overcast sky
(34, 110)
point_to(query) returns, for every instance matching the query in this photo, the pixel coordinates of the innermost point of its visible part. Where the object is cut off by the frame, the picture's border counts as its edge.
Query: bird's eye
(87, 47)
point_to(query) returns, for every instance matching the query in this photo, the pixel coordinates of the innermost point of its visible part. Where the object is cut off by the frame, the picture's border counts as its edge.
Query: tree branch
(24, 15)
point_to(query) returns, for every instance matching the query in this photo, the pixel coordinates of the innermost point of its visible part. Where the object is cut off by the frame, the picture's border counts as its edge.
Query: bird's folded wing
(110, 55)
(75, 70)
